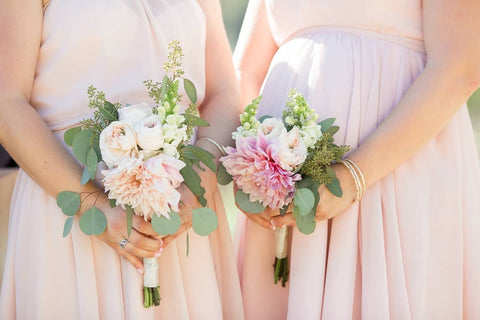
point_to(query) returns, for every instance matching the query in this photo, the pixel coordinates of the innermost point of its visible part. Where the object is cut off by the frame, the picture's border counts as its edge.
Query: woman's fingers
(143, 242)
(136, 262)
(143, 226)
(261, 220)
(287, 220)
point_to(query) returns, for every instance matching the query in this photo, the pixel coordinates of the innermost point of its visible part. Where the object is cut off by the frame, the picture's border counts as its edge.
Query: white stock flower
(117, 141)
(175, 119)
(174, 135)
(170, 151)
(150, 133)
(135, 113)
(310, 134)
(272, 128)
(293, 151)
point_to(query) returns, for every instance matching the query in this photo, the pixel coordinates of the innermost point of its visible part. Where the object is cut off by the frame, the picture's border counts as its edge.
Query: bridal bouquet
(146, 155)
(280, 164)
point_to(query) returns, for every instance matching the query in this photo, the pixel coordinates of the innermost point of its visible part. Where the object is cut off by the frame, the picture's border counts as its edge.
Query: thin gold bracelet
(362, 177)
(222, 151)
(355, 177)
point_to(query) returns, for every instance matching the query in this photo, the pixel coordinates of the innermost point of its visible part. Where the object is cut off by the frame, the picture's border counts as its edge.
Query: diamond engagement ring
(123, 243)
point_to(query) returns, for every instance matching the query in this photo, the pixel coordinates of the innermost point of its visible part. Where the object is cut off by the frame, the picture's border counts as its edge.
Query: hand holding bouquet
(280, 164)
(147, 156)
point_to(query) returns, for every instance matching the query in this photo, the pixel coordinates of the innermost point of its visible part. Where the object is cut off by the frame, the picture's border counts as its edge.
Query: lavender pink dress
(411, 248)
(115, 46)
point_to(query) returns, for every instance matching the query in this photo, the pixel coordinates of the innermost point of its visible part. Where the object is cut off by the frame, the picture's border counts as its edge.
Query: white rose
(293, 151)
(117, 141)
(310, 134)
(135, 113)
(272, 128)
(150, 133)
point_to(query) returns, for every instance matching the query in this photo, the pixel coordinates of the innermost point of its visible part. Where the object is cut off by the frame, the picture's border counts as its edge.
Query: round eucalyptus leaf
(306, 224)
(223, 177)
(304, 201)
(68, 226)
(164, 226)
(93, 222)
(204, 221)
(81, 145)
(70, 135)
(243, 202)
(69, 202)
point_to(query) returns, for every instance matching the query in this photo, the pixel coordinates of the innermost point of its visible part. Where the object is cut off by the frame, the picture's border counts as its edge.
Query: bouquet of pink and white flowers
(146, 154)
(279, 162)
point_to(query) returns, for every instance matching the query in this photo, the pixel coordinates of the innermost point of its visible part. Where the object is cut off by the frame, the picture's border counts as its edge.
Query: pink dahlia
(149, 187)
(255, 169)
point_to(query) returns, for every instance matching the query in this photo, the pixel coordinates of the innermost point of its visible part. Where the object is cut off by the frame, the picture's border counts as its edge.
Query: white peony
(150, 133)
(272, 128)
(117, 141)
(293, 151)
(135, 113)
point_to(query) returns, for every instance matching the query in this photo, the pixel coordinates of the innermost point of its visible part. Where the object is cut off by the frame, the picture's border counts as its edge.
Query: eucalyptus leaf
(332, 130)
(190, 90)
(327, 123)
(93, 222)
(283, 210)
(204, 221)
(197, 153)
(129, 211)
(70, 135)
(68, 226)
(193, 182)
(112, 203)
(331, 173)
(85, 176)
(223, 177)
(262, 118)
(335, 188)
(305, 224)
(195, 121)
(92, 163)
(164, 226)
(81, 145)
(304, 201)
(109, 111)
(69, 202)
(243, 202)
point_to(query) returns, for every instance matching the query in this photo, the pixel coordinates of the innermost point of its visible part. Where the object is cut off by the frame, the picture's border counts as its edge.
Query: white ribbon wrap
(150, 277)
(281, 244)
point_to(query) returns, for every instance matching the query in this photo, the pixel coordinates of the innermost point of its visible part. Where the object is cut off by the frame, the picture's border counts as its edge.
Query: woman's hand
(189, 202)
(264, 218)
(329, 205)
(143, 241)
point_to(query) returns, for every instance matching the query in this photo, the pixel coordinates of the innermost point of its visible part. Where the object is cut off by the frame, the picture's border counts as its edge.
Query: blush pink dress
(411, 248)
(115, 46)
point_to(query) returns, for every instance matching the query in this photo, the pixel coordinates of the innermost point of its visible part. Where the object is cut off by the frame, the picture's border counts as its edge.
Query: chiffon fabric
(411, 248)
(114, 46)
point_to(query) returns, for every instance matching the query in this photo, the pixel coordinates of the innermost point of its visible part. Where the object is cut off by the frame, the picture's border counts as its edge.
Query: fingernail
(159, 252)
(273, 228)
(140, 270)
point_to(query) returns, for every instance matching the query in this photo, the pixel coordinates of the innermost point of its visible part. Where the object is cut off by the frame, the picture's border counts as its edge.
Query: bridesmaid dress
(411, 248)
(114, 46)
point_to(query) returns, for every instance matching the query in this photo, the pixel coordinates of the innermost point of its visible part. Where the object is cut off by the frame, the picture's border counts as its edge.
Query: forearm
(37, 151)
(222, 112)
(426, 108)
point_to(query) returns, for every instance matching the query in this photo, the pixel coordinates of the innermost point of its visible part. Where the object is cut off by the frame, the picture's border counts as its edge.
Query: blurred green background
(234, 10)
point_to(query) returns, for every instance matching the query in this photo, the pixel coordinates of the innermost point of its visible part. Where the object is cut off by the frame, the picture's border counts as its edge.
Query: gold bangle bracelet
(220, 148)
(360, 174)
(355, 177)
